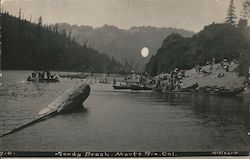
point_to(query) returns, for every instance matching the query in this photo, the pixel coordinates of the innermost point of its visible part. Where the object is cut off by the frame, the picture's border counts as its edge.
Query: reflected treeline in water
(228, 110)
(226, 117)
(223, 117)
(209, 107)
(207, 104)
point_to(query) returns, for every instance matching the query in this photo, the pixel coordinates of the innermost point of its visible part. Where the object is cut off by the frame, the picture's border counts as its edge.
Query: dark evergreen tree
(40, 21)
(20, 13)
(231, 17)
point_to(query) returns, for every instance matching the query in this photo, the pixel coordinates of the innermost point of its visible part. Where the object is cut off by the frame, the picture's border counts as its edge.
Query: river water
(121, 120)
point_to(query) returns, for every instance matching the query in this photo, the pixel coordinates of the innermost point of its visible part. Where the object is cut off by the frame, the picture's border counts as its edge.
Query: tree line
(34, 46)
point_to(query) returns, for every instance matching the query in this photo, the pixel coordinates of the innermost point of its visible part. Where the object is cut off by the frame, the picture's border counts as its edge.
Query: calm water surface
(121, 120)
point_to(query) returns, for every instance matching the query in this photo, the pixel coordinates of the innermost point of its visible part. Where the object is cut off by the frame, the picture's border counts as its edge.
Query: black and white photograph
(125, 78)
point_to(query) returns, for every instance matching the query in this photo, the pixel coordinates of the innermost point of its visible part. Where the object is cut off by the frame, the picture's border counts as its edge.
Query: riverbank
(229, 80)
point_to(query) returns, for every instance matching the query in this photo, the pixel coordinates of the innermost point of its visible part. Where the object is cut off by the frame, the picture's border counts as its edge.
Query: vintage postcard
(125, 78)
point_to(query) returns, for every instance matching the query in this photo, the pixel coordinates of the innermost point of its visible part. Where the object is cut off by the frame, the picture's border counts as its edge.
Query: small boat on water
(140, 87)
(134, 82)
(81, 76)
(121, 87)
(44, 80)
(43, 76)
(132, 87)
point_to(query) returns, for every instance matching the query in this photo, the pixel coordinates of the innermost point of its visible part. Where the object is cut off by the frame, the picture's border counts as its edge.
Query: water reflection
(206, 107)
(223, 117)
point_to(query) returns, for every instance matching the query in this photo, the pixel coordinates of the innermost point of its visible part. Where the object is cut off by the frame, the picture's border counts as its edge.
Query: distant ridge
(123, 45)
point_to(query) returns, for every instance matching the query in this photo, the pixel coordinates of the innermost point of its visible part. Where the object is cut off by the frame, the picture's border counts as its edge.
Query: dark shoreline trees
(30, 46)
(217, 41)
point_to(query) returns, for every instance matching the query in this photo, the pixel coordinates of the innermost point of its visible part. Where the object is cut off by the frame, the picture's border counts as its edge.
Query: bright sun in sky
(144, 52)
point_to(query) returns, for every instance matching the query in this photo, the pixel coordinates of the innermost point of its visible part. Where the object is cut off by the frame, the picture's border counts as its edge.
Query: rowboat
(81, 76)
(53, 80)
(121, 86)
(137, 87)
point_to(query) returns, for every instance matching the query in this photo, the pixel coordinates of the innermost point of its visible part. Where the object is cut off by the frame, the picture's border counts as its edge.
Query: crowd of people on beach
(170, 81)
(174, 79)
(224, 67)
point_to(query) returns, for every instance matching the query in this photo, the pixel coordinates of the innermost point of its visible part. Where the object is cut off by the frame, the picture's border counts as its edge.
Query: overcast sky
(186, 14)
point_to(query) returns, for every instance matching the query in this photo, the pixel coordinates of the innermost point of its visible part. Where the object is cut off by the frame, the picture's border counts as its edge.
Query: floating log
(69, 101)
(31, 122)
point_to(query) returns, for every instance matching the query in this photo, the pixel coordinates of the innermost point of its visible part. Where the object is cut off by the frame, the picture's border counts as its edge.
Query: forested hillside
(32, 46)
(123, 45)
(217, 41)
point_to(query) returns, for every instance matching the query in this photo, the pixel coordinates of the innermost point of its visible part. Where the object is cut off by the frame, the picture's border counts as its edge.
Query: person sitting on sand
(48, 74)
(183, 73)
(39, 75)
(227, 68)
(42, 75)
(221, 64)
(221, 75)
(199, 68)
(52, 76)
(211, 66)
(29, 78)
(204, 72)
(179, 75)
